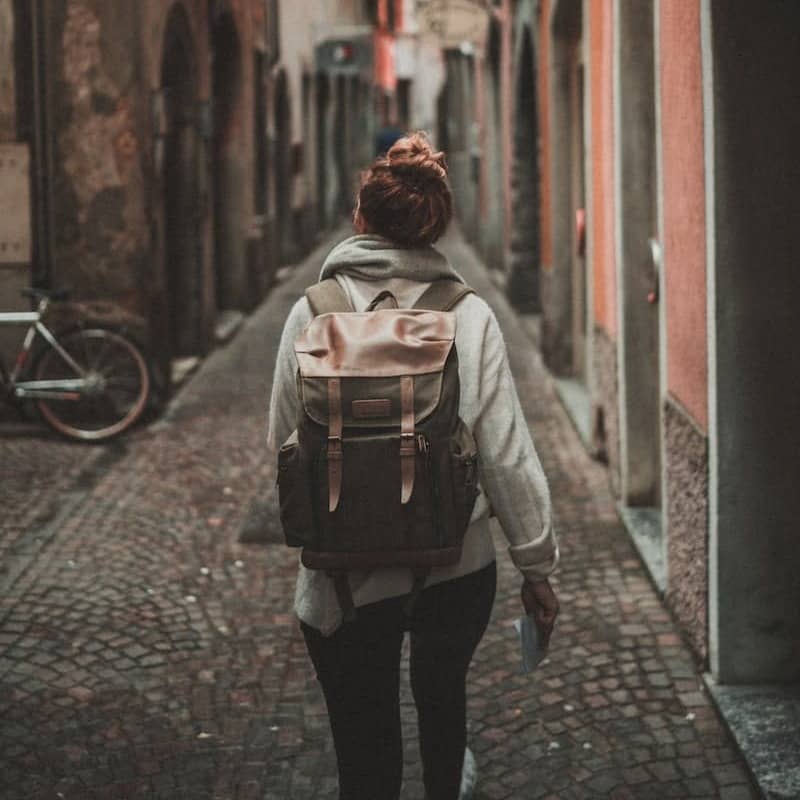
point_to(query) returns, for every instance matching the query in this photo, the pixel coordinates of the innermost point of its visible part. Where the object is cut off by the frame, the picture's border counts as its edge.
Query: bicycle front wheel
(115, 384)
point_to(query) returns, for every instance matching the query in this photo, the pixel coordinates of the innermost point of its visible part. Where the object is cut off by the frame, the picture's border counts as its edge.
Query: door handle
(580, 232)
(656, 260)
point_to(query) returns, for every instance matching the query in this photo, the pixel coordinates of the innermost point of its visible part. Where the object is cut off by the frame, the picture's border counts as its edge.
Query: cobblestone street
(147, 652)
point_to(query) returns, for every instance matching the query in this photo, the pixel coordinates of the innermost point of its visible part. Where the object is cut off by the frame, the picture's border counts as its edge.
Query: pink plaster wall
(684, 231)
(602, 169)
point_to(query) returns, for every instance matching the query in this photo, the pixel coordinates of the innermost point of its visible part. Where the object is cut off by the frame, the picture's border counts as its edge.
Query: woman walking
(404, 205)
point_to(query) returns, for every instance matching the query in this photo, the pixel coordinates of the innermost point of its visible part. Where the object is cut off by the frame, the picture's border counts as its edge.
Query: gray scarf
(373, 258)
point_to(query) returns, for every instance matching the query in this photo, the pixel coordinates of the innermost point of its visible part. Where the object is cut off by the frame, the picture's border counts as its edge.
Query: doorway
(638, 258)
(494, 221)
(229, 257)
(565, 314)
(341, 135)
(323, 92)
(283, 169)
(523, 287)
(182, 244)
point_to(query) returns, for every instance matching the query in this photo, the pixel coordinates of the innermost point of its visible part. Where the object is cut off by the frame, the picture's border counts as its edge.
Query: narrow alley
(624, 186)
(147, 652)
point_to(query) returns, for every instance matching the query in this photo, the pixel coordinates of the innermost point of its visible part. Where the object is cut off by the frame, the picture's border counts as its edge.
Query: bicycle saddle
(51, 294)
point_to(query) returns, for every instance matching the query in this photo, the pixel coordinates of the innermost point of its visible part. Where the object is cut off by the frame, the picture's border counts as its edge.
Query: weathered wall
(756, 328)
(602, 254)
(111, 180)
(686, 464)
(101, 233)
(111, 184)
(8, 97)
(684, 239)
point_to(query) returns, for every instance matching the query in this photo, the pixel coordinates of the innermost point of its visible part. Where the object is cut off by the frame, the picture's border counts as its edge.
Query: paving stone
(738, 792)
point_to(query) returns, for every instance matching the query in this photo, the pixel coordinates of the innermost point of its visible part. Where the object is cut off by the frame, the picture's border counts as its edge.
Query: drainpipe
(42, 151)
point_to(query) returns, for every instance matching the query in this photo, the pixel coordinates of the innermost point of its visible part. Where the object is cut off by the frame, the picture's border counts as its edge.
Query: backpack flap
(375, 344)
(372, 351)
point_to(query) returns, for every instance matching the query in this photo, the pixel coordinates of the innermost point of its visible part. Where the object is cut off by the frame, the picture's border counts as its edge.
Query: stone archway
(182, 244)
(229, 179)
(523, 285)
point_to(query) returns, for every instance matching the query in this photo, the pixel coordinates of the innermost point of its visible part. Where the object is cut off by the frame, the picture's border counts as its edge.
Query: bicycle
(89, 383)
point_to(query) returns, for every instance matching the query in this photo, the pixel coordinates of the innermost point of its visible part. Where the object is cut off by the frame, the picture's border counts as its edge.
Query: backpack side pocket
(464, 477)
(294, 496)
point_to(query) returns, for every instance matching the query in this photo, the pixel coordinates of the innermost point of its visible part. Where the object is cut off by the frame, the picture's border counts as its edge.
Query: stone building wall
(686, 464)
(101, 232)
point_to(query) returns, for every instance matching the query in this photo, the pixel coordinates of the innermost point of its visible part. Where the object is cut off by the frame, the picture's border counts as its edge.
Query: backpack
(380, 471)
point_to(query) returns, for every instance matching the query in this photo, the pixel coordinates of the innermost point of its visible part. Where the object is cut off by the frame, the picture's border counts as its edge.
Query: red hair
(404, 195)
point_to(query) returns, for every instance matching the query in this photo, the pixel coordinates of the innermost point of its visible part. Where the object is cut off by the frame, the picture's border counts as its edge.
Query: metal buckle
(407, 442)
(334, 447)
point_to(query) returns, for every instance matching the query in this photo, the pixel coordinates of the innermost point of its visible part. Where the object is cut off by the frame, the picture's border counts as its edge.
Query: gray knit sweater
(511, 476)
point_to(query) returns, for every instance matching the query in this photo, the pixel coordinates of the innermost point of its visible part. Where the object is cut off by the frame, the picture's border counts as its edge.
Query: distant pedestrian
(404, 205)
(387, 135)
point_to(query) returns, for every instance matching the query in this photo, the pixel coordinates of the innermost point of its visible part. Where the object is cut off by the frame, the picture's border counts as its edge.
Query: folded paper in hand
(530, 643)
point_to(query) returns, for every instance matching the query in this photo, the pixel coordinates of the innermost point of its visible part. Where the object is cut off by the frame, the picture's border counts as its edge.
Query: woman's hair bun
(412, 157)
(404, 195)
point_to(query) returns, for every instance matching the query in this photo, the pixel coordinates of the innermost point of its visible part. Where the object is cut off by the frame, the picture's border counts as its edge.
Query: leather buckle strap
(335, 455)
(407, 439)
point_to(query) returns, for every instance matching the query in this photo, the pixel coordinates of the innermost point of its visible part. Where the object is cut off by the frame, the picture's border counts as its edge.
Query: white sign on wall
(453, 22)
(15, 204)
(405, 57)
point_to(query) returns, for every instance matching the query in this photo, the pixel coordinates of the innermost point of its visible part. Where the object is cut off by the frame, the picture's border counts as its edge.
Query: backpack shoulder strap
(442, 295)
(327, 297)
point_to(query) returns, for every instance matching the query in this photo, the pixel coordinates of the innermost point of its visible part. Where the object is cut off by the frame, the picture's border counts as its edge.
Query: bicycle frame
(65, 389)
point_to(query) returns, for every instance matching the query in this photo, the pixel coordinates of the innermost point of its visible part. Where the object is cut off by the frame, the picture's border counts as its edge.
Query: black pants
(359, 669)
